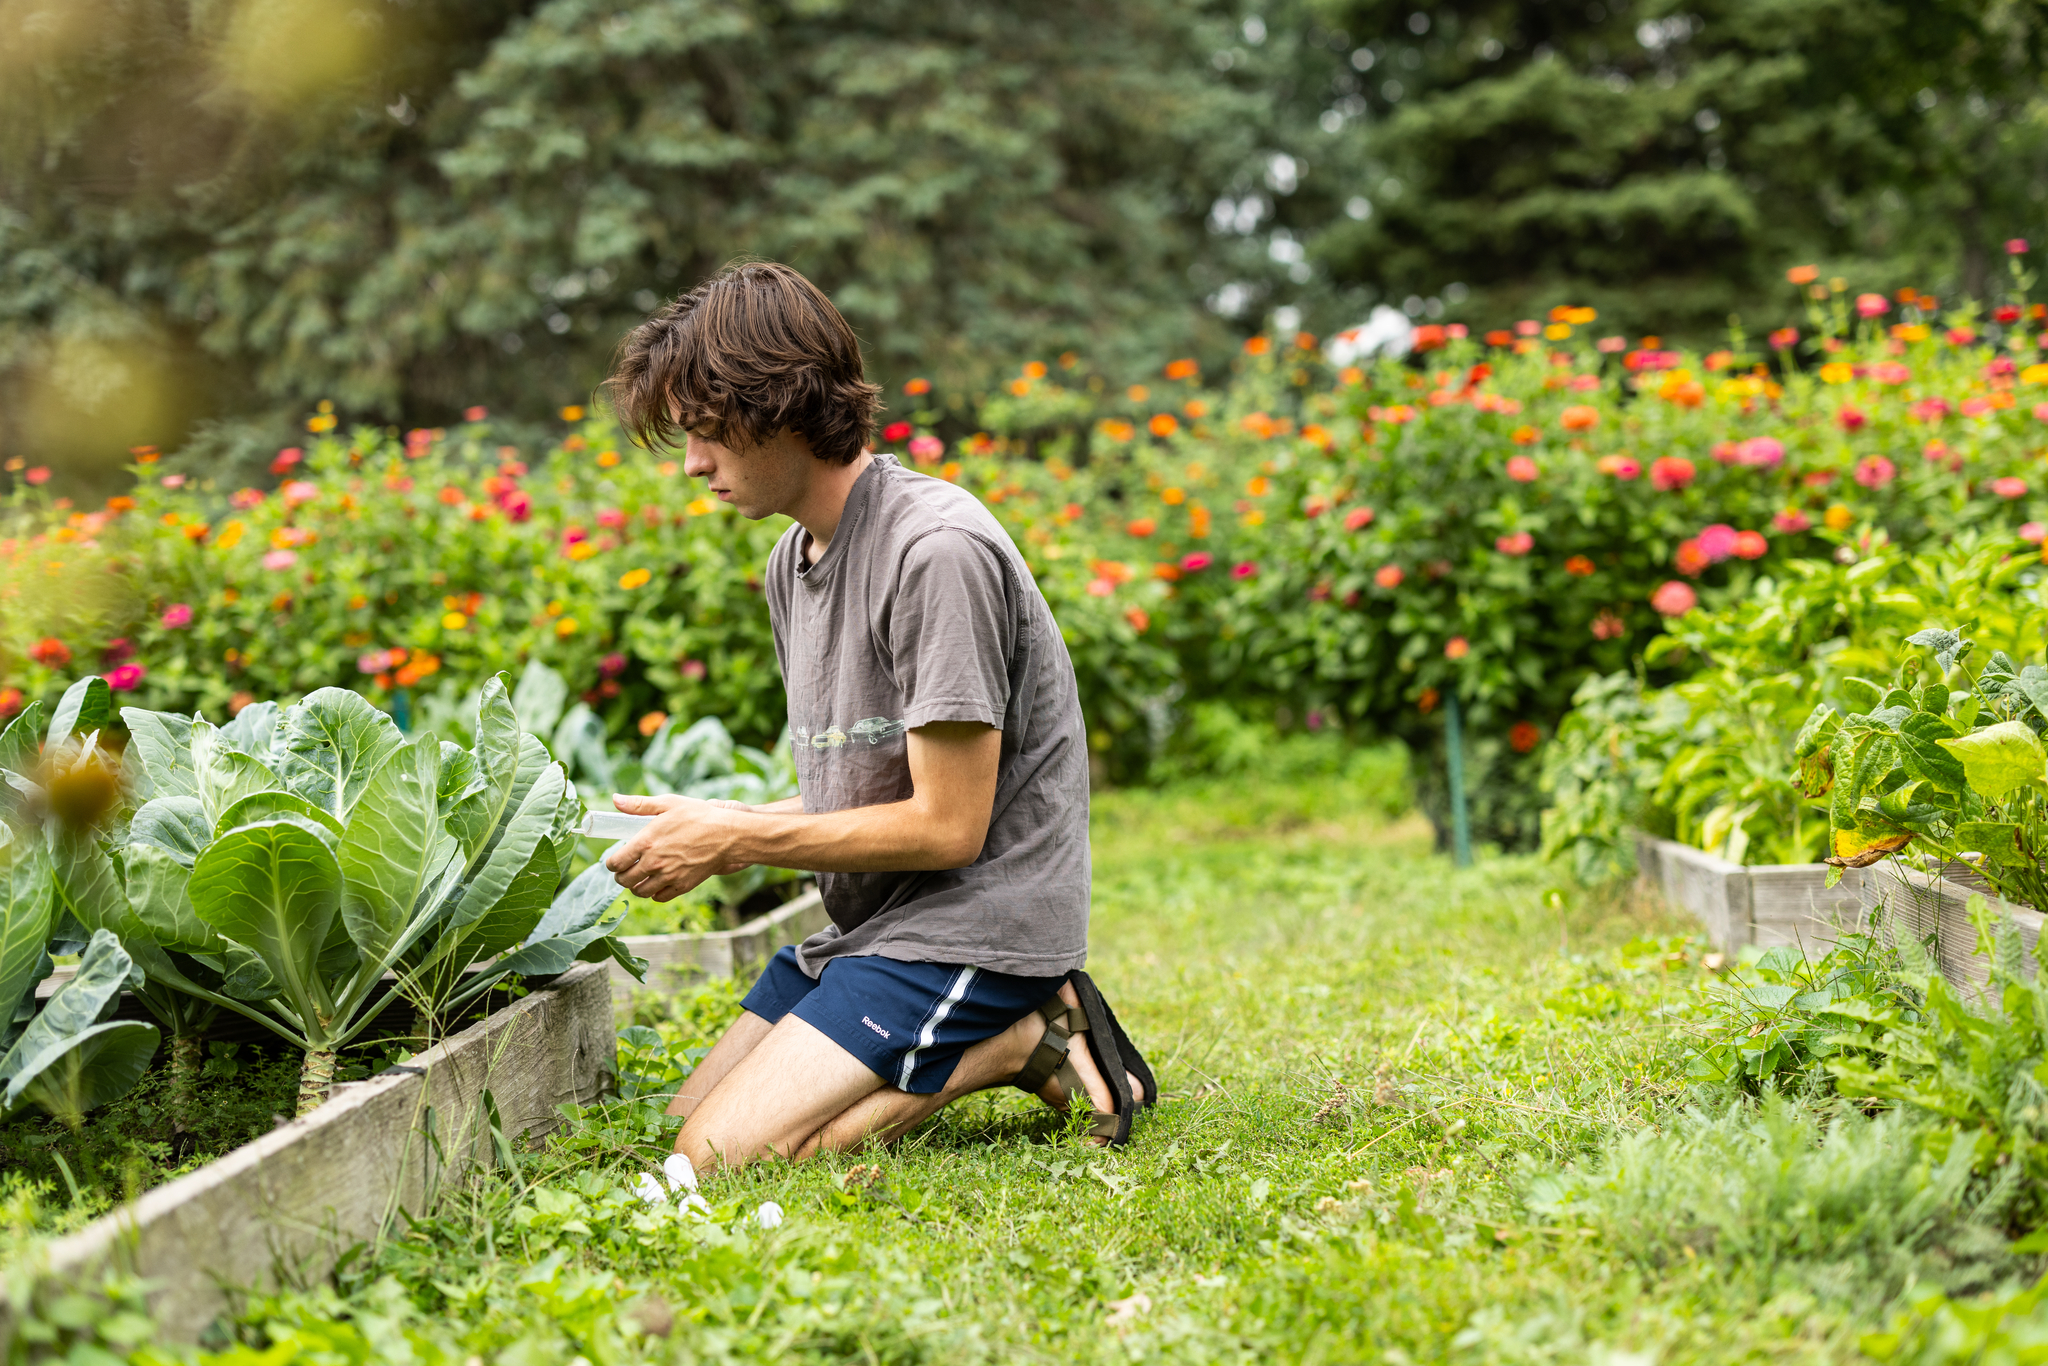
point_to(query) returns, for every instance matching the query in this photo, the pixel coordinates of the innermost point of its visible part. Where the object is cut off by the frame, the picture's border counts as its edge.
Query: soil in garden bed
(54, 1179)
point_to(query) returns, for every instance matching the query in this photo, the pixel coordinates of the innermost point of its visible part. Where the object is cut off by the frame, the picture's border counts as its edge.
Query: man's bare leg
(741, 1037)
(773, 1097)
(885, 1115)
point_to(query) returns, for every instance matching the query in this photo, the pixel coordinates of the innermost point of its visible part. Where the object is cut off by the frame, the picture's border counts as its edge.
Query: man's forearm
(895, 837)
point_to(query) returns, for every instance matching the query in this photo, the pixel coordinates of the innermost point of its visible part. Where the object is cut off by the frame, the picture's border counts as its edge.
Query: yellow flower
(607, 459)
(1256, 517)
(1558, 331)
(357, 603)
(555, 608)
(454, 621)
(572, 413)
(1837, 372)
(1838, 518)
(700, 507)
(566, 627)
(582, 550)
(634, 578)
(1173, 497)
(230, 536)
(2034, 374)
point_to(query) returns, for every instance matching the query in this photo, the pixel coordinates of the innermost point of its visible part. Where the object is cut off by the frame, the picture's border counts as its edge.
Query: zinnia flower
(1523, 736)
(50, 652)
(1874, 471)
(1670, 472)
(1761, 452)
(926, 449)
(176, 615)
(1579, 417)
(1358, 519)
(1141, 526)
(300, 491)
(1196, 561)
(2011, 486)
(1243, 570)
(1389, 576)
(1516, 543)
(1457, 647)
(1872, 305)
(1689, 559)
(280, 559)
(2034, 532)
(1578, 566)
(1750, 545)
(1717, 542)
(1620, 466)
(286, 458)
(125, 678)
(38, 474)
(1522, 469)
(1674, 599)
(1791, 520)
(1101, 588)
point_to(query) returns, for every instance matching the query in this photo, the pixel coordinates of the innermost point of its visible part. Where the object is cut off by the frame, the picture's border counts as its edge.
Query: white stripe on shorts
(926, 1036)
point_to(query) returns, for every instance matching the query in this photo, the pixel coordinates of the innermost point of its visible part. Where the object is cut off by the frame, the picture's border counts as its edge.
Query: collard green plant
(68, 1057)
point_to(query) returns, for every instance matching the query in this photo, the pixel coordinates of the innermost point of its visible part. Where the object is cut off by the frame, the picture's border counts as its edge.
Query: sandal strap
(1101, 1125)
(1062, 1022)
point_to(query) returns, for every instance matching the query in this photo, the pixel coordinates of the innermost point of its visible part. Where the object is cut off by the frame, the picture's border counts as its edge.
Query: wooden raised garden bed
(300, 1195)
(678, 960)
(1769, 905)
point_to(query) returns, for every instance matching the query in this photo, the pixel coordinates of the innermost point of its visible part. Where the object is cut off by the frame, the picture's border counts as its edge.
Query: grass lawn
(1410, 1113)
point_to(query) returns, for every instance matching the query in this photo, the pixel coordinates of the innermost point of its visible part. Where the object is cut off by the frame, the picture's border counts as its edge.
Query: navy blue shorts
(908, 1023)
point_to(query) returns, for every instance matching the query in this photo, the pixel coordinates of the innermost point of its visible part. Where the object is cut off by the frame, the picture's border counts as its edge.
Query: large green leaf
(268, 806)
(518, 912)
(83, 1071)
(275, 887)
(156, 886)
(1999, 759)
(22, 741)
(86, 706)
(27, 906)
(164, 742)
(104, 968)
(574, 922)
(334, 741)
(497, 754)
(1922, 755)
(537, 702)
(524, 831)
(393, 848)
(225, 775)
(177, 825)
(87, 883)
(255, 730)
(1998, 841)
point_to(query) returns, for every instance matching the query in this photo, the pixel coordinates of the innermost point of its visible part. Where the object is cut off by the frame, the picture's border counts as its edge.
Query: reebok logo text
(872, 1025)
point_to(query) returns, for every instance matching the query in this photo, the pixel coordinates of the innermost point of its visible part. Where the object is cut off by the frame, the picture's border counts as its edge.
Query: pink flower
(611, 517)
(280, 559)
(1874, 471)
(1791, 520)
(243, 498)
(117, 651)
(172, 481)
(1717, 542)
(1101, 588)
(612, 665)
(286, 458)
(2034, 532)
(38, 474)
(1761, 453)
(2016, 247)
(1670, 472)
(1725, 451)
(572, 534)
(925, 449)
(1358, 519)
(1516, 543)
(2011, 486)
(126, 678)
(476, 414)
(1522, 469)
(1929, 410)
(1890, 372)
(1750, 545)
(1196, 561)
(2041, 411)
(300, 491)
(1872, 306)
(176, 615)
(1674, 599)
(1620, 466)
(517, 504)
(693, 669)
(1849, 417)
(1244, 570)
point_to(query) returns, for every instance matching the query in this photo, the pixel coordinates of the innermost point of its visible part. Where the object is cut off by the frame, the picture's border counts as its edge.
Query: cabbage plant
(304, 866)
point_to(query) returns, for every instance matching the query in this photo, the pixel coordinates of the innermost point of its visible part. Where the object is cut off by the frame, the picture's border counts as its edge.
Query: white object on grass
(649, 1188)
(681, 1175)
(769, 1215)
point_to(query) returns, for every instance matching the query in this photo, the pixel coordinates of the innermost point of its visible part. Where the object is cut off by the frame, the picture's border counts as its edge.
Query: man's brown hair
(752, 350)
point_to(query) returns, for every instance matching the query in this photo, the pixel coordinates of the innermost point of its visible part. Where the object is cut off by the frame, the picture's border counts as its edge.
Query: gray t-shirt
(922, 610)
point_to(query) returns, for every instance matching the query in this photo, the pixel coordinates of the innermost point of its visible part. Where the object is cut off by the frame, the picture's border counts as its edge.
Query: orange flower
(1802, 275)
(1198, 520)
(1258, 424)
(1317, 435)
(1168, 572)
(1137, 393)
(1035, 370)
(1141, 526)
(1020, 387)
(1523, 736)
(607, 459)
(450, 495)
(120, 503)
(1163, 424)
(1579, 417)
(1136, 616)
(1195, 409)
(1350, 376)
(1116, 429)
(1182, 369)
(1258, 485)
(1524, 436)
(1579, 566)
(1173, 497)
(635, 578)
(1257, 346)
(913, 388)
(950, 471)
(1457, 647)
(655, 720)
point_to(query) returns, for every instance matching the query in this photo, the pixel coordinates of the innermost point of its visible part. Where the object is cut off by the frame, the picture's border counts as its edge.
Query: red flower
(1523, 737)
(1689, 559)
(517, 504)
(1670, 472)
(896, 431)
(475, 414)
(1141, 526)
(50, 652)
(1784, 338)
(612, 665)
(1358, 519)
(1750, 545)
(1849, 417)
(1578, 566)
(1674, 599)
(1196, 561)
(2006, 313)
(286, 458)
(1389, 576)
(38, 474)
(10, 702)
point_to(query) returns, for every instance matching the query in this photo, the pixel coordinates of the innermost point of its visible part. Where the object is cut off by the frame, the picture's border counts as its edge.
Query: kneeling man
(940, 755)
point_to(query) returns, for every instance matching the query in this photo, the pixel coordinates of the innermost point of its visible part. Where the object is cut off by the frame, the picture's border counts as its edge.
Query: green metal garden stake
(1454, 756)
(401, 709)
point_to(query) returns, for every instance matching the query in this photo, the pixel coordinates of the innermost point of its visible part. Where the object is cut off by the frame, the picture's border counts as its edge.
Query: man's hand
(690, 840)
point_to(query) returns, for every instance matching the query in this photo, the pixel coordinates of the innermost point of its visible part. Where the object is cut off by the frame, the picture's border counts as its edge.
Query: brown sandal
(1051, 1060)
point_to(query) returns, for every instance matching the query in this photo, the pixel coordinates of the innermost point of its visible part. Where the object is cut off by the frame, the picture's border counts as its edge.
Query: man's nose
(696, 463)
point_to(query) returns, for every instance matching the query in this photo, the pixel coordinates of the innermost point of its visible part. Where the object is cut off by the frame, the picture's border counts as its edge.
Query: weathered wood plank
(1712, 889)
(299, 1196)
(1791, 905)
(1923, 906)
(675, 961)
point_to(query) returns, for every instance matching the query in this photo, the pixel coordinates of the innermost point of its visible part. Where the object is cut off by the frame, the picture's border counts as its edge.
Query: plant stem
(423, 1027)
(316, 1078)
(187, 1053)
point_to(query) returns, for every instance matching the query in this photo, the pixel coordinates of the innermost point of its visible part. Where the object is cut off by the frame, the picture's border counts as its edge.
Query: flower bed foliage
(1323, 544)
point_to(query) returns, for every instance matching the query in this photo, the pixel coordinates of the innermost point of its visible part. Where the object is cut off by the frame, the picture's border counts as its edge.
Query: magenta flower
(925, 449)
(1761, 452)
(176, 615)
(1674, 599)
(1244, 570)
(1874, 471)
(1717, 542)
(1872, 305)
(612, 665)
(126, 678)
(1196, 562)
(2016, 247)
(280, 559)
